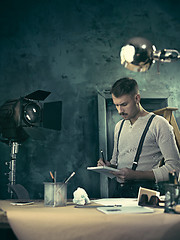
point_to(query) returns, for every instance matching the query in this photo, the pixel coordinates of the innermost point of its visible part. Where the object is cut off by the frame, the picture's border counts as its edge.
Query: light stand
(23, 118)
(12, 166)
(166, 55)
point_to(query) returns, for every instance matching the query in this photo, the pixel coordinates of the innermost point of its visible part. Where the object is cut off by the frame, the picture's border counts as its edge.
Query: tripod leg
(12, 166)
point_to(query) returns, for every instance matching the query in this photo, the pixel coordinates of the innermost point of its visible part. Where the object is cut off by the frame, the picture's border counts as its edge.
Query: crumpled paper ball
(80, 197)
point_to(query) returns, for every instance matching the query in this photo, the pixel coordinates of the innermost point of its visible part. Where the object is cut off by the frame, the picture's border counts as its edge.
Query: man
(159, 143)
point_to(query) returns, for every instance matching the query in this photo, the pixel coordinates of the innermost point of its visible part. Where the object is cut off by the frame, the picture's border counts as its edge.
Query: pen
(55, 177)
(52, 176)
(67, 180)
(97, 206)
(102, 155)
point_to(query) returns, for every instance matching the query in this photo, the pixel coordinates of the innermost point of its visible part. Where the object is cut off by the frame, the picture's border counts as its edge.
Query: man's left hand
(125, 174)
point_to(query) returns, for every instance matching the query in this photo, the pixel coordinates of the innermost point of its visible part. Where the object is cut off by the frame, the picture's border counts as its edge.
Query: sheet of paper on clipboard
(104, 170)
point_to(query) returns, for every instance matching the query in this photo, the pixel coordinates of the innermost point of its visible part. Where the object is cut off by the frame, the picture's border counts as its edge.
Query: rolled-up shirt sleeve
(166, 141)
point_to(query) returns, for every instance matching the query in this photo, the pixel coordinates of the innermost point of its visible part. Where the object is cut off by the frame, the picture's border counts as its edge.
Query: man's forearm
(126, 174)
(144, 175)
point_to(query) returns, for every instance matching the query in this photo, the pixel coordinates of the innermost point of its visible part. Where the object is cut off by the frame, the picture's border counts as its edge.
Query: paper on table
(127, 209)
(21, 203)
(117, 201)
(105, 170)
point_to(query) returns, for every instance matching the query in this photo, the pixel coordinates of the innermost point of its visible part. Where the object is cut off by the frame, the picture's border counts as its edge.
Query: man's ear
(138, 98)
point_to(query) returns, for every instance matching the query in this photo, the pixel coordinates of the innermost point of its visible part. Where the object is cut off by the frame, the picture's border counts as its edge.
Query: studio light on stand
(26, 117)
(138, 54)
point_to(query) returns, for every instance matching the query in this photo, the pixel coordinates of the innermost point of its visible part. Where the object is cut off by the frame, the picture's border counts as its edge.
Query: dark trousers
(130, 188)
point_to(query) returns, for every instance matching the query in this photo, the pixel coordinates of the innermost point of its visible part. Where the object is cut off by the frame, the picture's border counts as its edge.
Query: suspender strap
(118, 138)
(119, 133)
(136, 159)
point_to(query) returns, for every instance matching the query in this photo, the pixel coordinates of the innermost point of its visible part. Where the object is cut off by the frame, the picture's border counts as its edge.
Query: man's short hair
(124, 86)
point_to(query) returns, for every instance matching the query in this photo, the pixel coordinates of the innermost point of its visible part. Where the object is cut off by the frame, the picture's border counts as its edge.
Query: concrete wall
(71, 48)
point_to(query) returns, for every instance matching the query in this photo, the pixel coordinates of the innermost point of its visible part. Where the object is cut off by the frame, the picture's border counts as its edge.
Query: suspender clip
(135, 163)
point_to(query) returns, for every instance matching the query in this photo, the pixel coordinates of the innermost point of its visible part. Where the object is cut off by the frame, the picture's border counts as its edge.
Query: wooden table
(35, 221)
(6, 232)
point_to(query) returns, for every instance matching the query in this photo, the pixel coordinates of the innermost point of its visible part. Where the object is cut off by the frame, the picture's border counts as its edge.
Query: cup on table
(55, 194)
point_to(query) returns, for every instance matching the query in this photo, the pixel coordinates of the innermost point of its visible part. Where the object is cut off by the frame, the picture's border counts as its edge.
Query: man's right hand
(101, 163)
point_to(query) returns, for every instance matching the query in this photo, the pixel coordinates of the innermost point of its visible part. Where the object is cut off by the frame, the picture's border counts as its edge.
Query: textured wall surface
(71, 48)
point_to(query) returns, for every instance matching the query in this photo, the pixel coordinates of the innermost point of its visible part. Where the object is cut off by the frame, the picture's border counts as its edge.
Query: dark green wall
(71, 48)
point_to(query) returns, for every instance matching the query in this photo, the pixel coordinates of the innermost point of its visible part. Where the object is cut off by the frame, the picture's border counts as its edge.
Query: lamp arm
(166, 55)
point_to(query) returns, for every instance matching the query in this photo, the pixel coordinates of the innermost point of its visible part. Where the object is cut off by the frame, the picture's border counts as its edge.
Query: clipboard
(104, 170)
